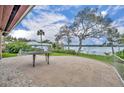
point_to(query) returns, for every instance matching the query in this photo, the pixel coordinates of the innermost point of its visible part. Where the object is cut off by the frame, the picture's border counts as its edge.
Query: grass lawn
(5, 55)
(59, 54)
(105, 59)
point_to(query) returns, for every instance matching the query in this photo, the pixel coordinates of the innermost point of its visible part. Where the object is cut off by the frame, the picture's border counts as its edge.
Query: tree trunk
(68, 43)
(41, 40)
(80, 45)
(112, 49)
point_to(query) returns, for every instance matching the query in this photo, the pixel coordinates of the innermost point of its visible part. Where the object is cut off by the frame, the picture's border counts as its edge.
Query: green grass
(5, 55)
(105, 59)
(59, 54)
(120, 54)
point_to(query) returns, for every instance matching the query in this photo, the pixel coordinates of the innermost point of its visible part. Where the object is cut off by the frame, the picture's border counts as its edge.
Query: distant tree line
(14, 39)
(10, 38)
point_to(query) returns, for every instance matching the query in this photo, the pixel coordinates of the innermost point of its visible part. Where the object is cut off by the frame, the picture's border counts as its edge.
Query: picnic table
(34, 53)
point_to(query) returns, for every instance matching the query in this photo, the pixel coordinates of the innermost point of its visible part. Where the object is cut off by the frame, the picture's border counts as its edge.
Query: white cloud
(48, 21)
(113, 9)
(104, 13)
(66, 7)
(24, 34)
(43, 7)
(54, 9)
(50, 32)
(43, 19)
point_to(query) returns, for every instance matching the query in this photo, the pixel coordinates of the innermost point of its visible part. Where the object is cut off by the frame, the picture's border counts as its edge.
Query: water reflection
(97, 50)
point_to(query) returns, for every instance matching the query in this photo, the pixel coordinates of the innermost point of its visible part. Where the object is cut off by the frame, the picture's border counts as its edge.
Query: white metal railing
(118, 64)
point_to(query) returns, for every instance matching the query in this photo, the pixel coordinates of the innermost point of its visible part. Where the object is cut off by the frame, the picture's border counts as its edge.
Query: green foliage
(59, 54)
(47, 41)
(65, 32)
(121, 40)
(106, 59)
(5, 55)
(56, 46)
(112, 35)
(65, 51)
(40, 32)
(120, 54)
(16, 46)
(13, 39)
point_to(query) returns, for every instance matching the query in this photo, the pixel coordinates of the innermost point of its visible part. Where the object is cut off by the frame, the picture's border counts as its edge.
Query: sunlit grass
(5, 55)
(59, 54)
(105, 59)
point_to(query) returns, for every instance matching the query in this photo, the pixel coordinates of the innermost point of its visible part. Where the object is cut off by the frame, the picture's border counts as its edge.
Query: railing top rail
(118, 57)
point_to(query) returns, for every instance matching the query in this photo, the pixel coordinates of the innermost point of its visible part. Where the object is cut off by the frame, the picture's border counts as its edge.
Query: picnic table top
(33, 52)
(37, 52)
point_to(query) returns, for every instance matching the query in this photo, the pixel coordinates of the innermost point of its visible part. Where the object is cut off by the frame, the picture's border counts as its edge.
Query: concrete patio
(63, 71)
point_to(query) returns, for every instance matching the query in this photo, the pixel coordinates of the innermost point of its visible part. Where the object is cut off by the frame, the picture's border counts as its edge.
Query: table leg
(48, 58)
(34, 60)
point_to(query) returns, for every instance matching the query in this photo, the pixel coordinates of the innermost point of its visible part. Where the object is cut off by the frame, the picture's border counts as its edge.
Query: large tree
(121, 39)
(65, 32)
(40, 33)
(89, 23)
(112, 37)
(58, 37)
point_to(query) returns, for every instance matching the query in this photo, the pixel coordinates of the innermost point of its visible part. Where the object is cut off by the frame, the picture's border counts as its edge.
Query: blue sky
(51, 18)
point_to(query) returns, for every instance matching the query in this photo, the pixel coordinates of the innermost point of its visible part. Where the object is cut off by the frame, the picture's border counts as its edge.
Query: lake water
(92, 50)
(96, 50)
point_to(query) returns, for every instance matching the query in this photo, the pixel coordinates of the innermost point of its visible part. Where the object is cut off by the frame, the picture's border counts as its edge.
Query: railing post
(0, 44)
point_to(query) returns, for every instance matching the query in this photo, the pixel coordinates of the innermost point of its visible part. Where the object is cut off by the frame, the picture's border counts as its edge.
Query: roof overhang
(11, 15)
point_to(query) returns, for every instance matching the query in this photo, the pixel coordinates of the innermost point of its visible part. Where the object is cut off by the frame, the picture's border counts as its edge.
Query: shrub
(4, 55)
(14, 47)
(120, 54)
(53, 45)
(57, 46)
(65, 51)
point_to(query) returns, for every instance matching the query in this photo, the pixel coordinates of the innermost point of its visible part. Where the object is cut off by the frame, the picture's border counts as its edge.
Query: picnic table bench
(34, 53)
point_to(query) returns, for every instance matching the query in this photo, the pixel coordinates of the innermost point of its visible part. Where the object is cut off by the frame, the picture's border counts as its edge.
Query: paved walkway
(63, 71)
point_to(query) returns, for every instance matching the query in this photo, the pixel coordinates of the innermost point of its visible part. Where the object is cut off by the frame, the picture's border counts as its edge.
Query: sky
(50, 18)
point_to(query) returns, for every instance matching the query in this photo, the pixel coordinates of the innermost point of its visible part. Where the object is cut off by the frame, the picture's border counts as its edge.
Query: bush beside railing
(64, 51)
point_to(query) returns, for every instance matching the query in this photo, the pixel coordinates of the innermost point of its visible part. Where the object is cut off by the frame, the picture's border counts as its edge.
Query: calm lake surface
(96, 50)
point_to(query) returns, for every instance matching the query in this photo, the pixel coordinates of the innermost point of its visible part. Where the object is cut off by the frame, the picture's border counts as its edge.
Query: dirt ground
(63, 71)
